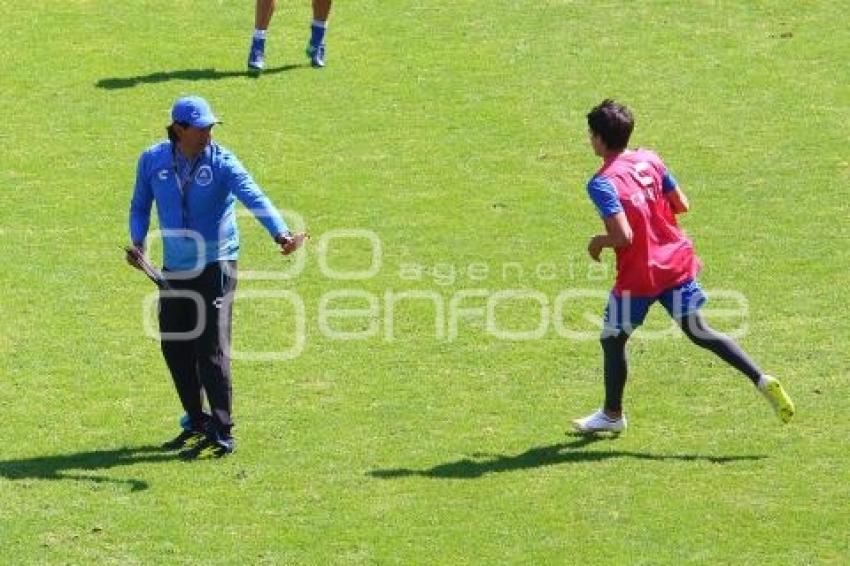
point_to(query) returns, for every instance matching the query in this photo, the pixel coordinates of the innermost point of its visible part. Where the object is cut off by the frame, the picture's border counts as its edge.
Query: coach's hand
(290, 242)
(134, 255)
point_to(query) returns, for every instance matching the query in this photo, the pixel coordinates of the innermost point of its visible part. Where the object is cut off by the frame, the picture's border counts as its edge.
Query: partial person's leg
(616, 370)
(263, 12)
(700, 333)
(321, 10)
(178, 319)
(684, 303)
(623, 314)
(318, 27)
(214, 345)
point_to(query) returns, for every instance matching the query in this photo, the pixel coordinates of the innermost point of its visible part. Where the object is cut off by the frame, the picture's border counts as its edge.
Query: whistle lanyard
(183, 186)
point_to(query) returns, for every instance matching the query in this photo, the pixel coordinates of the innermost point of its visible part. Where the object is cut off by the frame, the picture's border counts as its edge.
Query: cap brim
(205, 122)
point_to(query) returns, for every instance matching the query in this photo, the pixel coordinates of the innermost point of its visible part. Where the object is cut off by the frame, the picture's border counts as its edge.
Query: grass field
(454, 133)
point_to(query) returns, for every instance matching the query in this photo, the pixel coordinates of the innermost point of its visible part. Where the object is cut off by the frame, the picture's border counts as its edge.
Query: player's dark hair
(613, 123)
(172, 133)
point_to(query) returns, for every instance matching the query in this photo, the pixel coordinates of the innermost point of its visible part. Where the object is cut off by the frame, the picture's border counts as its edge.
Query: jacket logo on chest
(204, 175)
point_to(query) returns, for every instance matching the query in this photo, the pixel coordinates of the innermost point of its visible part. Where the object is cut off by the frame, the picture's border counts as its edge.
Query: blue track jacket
(195, 204)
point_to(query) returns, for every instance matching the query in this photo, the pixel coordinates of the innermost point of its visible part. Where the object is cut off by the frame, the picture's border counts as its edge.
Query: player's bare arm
(678, 201)
(618, 234)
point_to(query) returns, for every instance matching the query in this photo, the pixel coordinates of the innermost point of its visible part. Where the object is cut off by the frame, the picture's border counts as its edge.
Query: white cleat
(600, 422)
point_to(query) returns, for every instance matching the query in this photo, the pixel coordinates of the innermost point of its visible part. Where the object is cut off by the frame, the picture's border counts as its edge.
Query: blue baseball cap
(195, 111)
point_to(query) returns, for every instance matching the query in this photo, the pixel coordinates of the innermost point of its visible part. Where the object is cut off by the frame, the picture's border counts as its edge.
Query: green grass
(455, 132)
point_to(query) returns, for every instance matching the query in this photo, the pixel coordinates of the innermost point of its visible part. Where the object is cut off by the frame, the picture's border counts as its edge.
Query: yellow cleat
(777, 397)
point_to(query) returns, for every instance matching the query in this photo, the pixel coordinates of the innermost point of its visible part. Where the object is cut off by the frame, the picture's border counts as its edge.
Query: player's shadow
(552, 455)
(60, 466)
(210, 74)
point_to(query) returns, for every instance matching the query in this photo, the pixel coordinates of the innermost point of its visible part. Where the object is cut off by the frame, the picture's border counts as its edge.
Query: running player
(638, 200)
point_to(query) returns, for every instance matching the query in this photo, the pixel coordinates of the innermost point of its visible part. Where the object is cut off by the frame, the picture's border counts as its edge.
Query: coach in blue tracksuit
(195, 184)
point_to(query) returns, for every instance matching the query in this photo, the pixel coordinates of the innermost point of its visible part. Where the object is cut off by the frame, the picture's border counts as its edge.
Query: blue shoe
(257, 55)
(186, 422)
(316, 53)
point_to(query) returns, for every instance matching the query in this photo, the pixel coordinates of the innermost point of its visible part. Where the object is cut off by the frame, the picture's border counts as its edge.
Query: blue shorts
(625, 313)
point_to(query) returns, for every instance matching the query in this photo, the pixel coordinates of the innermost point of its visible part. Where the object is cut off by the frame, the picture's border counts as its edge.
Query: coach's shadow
(57, 467)
(210, 74)
(554, 454)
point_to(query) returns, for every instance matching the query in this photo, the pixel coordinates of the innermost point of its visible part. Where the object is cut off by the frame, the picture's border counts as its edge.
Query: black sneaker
(210, 447)
(185, 438)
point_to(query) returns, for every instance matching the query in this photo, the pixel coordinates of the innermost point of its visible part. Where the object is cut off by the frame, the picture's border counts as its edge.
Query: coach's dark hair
(612, 122)
(172, 133)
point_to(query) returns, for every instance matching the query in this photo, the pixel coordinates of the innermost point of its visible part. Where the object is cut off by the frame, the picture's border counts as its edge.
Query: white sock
(763, 381)
(259, 34)
(320, 24)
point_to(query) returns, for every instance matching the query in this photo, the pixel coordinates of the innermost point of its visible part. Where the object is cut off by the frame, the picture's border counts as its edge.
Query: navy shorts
(626, 313)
